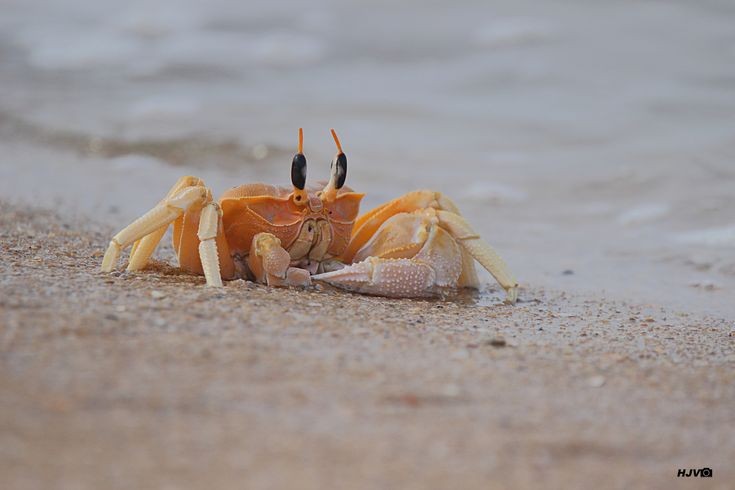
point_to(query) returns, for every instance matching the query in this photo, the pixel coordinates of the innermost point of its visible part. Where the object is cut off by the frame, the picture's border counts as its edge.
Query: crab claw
(270, 263)
(394, 278)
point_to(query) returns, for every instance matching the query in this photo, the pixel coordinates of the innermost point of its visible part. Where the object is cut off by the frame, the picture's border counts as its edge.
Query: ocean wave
(192, 150)
(643, 213)
(145, 39)
(493, 193)
(513, 32)
(722, 236)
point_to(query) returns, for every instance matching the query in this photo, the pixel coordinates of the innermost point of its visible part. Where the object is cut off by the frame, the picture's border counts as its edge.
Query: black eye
(298, 171)
(340, 170)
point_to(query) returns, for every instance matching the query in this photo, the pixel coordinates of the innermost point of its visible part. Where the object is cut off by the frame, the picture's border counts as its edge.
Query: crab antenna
(301, 140)
(336, 140)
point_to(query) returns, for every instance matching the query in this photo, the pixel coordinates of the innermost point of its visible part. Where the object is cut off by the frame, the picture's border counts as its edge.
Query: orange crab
(412, 246)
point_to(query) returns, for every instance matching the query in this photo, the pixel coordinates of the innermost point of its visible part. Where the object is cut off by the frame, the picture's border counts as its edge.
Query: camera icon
(705, 472)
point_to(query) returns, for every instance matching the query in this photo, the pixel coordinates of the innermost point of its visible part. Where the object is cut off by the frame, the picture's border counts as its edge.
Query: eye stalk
(298, 171)
(338, 172)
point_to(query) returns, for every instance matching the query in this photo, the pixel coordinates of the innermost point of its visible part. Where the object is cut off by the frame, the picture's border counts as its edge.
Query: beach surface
(151, 380)
(591, 144)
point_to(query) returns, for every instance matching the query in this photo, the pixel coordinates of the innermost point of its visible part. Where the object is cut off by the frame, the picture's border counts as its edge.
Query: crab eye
(339, 164)
(298, 171)
(298, 167)
(339, 170)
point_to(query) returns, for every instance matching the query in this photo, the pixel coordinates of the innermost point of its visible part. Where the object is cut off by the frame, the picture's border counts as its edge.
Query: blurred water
(584, 136)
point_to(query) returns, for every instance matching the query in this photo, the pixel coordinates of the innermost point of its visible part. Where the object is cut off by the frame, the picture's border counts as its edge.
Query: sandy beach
(149, 380)
(591, 144)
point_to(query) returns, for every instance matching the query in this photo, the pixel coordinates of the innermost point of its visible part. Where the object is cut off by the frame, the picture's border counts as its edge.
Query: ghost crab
(411, 246)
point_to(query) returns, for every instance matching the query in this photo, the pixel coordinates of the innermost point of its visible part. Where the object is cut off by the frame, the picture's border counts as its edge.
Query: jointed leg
(368, 225)
(144, 248)
(158, 217)
(208, 228)
(481, 251)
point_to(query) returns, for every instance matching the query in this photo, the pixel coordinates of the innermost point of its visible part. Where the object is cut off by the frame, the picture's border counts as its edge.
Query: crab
(413, 246)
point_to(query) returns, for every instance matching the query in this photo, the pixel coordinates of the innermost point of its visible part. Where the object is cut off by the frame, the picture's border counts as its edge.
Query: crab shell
(310, 226)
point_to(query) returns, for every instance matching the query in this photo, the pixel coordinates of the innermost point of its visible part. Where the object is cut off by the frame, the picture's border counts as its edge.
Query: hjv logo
(701, 472)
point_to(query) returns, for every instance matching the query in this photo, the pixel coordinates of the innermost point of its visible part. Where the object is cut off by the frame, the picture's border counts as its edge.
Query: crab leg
(207, 234)
(160, 216)
(368, 225)
(481, 251)
(144, 248)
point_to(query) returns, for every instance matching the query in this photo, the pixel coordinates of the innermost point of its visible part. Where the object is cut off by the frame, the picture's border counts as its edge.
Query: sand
(150, 380)
(590, 143)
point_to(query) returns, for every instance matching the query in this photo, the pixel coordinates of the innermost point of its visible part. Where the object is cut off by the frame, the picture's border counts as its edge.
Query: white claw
(395, 278)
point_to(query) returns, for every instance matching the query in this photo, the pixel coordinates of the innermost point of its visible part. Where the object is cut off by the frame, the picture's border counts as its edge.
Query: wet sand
(149, 380)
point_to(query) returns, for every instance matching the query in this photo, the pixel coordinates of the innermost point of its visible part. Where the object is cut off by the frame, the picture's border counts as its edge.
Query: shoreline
(148, 379)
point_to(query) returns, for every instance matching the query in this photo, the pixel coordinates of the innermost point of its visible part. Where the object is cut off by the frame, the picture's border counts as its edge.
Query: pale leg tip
(111, 255)
(511, 295)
